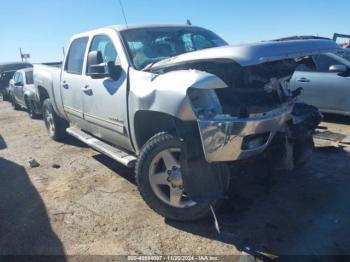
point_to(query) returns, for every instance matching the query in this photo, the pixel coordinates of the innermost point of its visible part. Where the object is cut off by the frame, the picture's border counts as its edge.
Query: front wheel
(159, 180)
(55, 125)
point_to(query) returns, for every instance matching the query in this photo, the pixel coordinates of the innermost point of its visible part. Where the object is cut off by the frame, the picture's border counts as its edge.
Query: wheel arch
(43, 94)
(148, 123)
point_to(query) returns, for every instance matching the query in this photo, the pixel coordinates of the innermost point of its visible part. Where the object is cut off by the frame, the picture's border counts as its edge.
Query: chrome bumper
(222, 137)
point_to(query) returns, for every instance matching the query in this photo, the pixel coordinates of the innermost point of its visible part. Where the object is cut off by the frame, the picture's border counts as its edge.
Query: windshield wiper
(150, 65)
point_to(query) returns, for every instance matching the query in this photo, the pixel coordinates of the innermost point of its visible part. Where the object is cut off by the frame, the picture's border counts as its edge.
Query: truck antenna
(122, 8)
(20, 53)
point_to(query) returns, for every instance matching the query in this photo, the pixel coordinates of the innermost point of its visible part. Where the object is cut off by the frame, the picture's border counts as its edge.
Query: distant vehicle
(301, 37)
(342, 39)
(325, 80)
(22, 92)
(7, 71)
(182, 106)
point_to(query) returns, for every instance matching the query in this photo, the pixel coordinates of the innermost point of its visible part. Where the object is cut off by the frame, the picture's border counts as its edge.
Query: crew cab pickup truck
(181, 106)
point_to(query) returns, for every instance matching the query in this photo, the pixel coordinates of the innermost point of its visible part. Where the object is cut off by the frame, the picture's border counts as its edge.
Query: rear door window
(75, 58)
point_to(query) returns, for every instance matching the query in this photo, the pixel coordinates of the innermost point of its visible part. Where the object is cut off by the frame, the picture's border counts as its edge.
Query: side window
(75, 58)
(20, 78)
(104, 44)
(323, 62)
(306, 64)
(16, 77)
(29, 78)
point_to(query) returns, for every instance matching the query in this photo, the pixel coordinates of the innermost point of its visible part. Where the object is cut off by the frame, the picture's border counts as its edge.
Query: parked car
(325, 80)
(7, 71)
(22, 92)
(182, 106)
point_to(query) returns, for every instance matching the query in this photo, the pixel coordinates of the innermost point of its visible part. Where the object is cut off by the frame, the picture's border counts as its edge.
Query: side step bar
(122, 157)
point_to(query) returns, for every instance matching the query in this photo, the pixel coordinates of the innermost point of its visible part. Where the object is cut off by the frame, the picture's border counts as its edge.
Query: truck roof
(126, 27)
(120, 28)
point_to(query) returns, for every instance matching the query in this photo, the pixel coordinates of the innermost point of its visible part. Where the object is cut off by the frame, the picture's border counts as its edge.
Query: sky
(43, 27)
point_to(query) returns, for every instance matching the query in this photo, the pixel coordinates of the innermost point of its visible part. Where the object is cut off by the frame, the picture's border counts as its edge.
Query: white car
(325, 82)
(22, 92)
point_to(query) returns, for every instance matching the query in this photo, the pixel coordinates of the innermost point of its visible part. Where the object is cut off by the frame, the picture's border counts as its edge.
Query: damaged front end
(256, 114)
(255, 110)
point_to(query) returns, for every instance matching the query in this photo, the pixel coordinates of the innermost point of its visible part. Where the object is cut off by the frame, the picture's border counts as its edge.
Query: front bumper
(223, 137)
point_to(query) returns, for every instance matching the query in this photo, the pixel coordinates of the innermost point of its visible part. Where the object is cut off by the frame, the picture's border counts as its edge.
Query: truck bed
(48, 78)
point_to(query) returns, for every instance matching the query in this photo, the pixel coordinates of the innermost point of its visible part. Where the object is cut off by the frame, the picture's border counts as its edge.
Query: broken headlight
(204, 102)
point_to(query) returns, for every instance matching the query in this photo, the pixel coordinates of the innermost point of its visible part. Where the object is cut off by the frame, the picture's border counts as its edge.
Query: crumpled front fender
(167, 93)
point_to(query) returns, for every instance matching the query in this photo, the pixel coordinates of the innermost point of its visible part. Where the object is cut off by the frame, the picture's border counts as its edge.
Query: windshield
(150, 45)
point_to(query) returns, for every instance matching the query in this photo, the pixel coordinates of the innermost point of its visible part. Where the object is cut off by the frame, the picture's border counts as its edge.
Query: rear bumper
(223, 137)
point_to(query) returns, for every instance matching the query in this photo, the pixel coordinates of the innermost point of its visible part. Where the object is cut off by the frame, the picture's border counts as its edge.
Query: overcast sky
(43, 27)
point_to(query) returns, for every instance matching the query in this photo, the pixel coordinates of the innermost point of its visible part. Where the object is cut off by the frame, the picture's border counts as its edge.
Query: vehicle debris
(33, 163)
(216, 222)
(56, 166)
(330, 135)
(324, 139)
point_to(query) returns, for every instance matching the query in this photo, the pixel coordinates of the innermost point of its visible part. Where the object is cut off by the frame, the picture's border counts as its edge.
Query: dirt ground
(81, 202)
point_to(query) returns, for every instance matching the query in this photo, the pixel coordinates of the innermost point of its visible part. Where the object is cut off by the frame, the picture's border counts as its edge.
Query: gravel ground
(81, 202)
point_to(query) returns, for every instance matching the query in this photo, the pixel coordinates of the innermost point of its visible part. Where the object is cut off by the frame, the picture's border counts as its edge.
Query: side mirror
(338, 68)
(97, 68)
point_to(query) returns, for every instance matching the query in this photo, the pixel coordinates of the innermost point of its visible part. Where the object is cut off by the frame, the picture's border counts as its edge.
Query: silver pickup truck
(181, 106)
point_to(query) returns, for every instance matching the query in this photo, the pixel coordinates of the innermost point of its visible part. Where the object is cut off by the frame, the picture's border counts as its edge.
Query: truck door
(71, 81)
(11, 87)
(20, 89)
(105, 99)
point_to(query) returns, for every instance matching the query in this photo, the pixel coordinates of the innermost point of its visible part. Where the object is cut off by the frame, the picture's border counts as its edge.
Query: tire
(14, 104)
(31, 108)
(5, 96)
(55, 125)
(155, 195)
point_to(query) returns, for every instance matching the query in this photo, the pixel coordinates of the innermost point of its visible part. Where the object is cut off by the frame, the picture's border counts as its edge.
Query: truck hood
(254, 54)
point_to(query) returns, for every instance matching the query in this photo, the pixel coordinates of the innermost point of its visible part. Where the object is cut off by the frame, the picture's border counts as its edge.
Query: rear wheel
(55, 125)
(5, 96)
(159, 180)
(30, 108)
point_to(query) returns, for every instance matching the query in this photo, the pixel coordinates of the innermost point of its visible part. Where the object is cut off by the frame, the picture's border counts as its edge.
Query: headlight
(204, 102)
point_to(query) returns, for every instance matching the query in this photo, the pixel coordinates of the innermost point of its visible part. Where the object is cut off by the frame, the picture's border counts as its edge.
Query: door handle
(86, 89)
(303, 80)
(65, 85)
